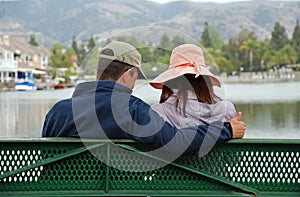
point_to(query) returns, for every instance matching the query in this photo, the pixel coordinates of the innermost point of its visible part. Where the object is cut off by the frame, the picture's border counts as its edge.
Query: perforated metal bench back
(68, 167)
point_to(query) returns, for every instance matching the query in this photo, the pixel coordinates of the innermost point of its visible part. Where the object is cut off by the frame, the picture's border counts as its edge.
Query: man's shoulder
(62, 104)
(138, 101)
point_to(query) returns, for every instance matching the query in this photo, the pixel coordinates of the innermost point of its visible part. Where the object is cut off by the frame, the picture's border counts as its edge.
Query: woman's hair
(201, 85)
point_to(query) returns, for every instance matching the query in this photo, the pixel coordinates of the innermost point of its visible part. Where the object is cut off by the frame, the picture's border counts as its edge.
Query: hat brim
(172, 73)
(141, 74)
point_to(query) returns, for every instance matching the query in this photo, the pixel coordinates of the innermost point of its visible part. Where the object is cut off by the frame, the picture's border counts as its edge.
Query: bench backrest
(63, 166)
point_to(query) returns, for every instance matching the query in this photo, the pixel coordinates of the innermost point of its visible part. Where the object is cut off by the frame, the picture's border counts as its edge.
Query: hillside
(58, 21)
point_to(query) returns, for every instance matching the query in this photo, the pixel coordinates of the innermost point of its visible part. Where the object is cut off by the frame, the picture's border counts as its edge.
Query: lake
(270, 110)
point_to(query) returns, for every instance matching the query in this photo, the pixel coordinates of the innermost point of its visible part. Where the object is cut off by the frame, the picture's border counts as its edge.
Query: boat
(26, 85)
(59, 86)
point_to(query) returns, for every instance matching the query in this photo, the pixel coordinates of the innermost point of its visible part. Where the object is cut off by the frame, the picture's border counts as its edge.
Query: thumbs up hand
(238, 126)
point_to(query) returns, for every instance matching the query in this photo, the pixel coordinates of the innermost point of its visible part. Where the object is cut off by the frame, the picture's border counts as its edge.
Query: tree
(245, 35)
(164, 49)
(216, 41)
(249, 46)
(289, 54)
(286, 55)
(61, 57)
(224, 65)
(296, 40)
(216, 59)
(147, 55)
(74, 45)
(82, 52)
(279, 37)
(166, 43)
(33, 41)
(231, 52)
(205, 37)
(178, 40)
(264, 54)
(91, 43)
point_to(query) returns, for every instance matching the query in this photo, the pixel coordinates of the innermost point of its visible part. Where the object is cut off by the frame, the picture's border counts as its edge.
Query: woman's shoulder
(225, 103)
(156, 106)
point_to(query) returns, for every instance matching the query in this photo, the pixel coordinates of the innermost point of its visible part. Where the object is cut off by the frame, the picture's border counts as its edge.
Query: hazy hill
(60, 20)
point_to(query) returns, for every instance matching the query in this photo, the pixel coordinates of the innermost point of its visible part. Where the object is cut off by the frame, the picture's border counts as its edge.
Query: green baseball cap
(124, 52)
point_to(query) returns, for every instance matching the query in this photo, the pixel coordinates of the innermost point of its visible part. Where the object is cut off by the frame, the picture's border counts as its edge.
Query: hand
(238, 127)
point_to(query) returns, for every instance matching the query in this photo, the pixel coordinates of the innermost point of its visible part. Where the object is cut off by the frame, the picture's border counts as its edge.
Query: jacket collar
(96, 86)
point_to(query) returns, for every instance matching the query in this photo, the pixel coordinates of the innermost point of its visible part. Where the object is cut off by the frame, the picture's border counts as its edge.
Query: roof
(20, 44)
(5, 48)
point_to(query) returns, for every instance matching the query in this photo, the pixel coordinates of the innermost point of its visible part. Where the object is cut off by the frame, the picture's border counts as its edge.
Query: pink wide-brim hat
(185, 59)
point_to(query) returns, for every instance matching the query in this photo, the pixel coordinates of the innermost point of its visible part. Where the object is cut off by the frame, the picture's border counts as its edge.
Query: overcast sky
(218, 1)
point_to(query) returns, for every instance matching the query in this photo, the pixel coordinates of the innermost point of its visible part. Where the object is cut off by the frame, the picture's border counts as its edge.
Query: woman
(187, 91)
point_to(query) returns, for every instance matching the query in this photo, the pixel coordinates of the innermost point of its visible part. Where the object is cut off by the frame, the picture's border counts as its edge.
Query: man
(106, 109)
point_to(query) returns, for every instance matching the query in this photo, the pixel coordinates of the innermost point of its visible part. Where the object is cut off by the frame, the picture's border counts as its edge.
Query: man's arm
(191, 139)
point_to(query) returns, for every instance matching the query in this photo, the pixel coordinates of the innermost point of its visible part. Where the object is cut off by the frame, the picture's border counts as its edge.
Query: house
(21, 59)
(8, 65)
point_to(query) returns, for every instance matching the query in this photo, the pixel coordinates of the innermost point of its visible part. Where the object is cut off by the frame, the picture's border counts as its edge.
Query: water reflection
(22, 113)
(23, 118)
(275, 120)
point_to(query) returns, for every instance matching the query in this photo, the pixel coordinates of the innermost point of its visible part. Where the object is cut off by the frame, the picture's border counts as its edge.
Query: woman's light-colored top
(196, 113)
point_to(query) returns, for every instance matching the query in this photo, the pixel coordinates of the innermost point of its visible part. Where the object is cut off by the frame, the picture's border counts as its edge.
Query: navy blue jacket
(107, 110)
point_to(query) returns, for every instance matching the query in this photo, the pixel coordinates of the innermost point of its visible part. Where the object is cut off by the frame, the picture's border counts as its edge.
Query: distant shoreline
(261, 77)
(242, 77)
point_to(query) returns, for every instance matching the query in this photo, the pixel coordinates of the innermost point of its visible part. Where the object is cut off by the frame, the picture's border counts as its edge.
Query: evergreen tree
(178, 40)
(164, 49)
(91, 43)
(296, 40)
(82, 52)
(231, 52)
(165, 42)
(33, 41)
(74, 45)
(216, 40)
(279, 37)
(205, 38)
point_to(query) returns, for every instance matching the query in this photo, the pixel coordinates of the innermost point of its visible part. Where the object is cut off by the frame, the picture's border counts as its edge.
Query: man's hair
(110, 69)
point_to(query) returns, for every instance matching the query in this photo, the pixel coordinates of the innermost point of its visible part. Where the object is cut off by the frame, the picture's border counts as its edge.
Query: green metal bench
(69, 167)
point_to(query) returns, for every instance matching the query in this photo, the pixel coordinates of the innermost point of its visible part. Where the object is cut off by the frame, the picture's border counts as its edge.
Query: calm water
(271, 110)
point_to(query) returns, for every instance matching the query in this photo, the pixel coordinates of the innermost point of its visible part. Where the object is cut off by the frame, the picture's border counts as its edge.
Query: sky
(216, 1)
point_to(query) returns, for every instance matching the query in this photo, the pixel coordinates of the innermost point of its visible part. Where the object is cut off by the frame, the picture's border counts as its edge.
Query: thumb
(238, 117)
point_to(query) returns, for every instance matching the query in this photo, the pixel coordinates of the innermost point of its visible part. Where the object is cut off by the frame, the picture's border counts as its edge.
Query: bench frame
(93, 167)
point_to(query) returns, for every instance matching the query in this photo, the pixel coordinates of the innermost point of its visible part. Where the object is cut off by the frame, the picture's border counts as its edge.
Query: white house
(8, 65)
(18, 56)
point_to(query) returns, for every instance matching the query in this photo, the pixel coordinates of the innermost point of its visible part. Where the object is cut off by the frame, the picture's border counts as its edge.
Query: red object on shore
(59, 86)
